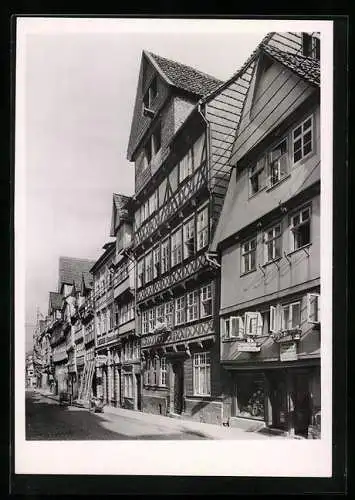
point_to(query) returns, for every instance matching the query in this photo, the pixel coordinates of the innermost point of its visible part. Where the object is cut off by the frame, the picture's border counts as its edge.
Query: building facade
(268, 241)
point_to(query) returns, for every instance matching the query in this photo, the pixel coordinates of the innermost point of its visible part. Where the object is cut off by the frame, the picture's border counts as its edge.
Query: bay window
(176, 248)
(206, 301)
(249, 256)
(189, 238)
(202, 228)
(202, 374)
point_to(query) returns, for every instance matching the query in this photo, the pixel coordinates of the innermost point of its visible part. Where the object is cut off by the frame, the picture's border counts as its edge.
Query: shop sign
(248, 347)
(288, 351)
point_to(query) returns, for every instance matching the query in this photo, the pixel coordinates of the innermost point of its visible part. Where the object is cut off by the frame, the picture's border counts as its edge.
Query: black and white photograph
(173, 264)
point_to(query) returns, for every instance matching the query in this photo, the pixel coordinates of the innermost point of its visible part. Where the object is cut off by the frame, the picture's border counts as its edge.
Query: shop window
(257, 176)
(206, 301)
(250, 396)
(189, 238)
(278, 163)
(302, 139)
(313, 308)
(202, 374)
(272, 244)
(248, 256)
(202, 228)
(163, 371)
(301, 229)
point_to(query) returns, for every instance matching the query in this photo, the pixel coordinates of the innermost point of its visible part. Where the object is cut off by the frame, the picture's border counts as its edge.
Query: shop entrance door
(302, 404)
(178, 387)
(278, 400)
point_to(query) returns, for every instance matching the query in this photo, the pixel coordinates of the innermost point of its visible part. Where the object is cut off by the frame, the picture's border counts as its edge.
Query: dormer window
(150, 94)
(310, 46)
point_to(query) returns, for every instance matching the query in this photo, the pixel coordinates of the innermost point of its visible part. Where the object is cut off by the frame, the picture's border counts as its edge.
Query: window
(155, 374)
(169, 309)
(160, 314)
(185, 166)
(151, 320)
(140, 268)
(249, 256)
(192, 306)
(278, 163)
(232, 327)
(272, 244)
(147, 371)
(310, 46)
(163, 371)
(302, 139)
(165, 254)
(176, 250)
(206, 301)
(300, 229)
(189, 238)
(148, 267)
(145, 323)
(156, 262)
(253, 324)
(313, 308)
(202, 374)
(179, 310)
(130, 311)
(104, 322)
(128, 385)
(202, 228)
(257, 176)
(150, 94)
(291, 316)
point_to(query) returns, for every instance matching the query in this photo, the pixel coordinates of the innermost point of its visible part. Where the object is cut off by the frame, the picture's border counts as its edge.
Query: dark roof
(55, 300)
(120, 211)
(185, 77)
(72, 270)
(307, 68)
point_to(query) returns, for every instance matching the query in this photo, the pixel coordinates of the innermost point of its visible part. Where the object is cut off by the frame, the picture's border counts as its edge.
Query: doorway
(302, 404)
(138, 392)
(178, 387)
(278, 400)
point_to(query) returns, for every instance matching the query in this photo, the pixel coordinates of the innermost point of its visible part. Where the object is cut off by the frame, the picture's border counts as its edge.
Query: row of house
(206, 302)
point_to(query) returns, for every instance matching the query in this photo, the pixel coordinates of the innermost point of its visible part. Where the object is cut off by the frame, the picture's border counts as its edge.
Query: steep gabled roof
(72, 270)
(55, 301)
(307, 68)
(120, 211)
(185, 77)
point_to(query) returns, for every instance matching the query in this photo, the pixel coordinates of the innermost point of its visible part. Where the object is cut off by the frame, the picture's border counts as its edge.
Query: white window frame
(189, 237)
(258, 170)
(246, 257)
(232, 327)
(148, 264)
(201, 362)
(253, 324)
(310, 128)
(202, 229)
(310, 297)
(192, 306)
(140, 272)
(163, 372)
(295, 226)
(290, 307)
(279, 162)
(156, 262)
(206, 298)
(145, 322)
(151, 320)
(176, 247)
(160, 313)
(165, 256)
(169, 313)
(273, 241)
(180, 310)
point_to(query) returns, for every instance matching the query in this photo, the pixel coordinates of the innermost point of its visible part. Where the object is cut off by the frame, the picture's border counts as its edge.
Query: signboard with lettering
(248, 347)
(288, 351)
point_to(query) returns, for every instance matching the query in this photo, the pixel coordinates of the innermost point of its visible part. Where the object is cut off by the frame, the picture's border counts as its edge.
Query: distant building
(31, 380)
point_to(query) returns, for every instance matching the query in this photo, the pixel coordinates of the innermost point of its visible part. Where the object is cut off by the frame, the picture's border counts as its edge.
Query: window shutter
(233, 326)
(223, 328)
(273, 319)
(313, 306)
(249, 316)
(240, 327)
(259, 327)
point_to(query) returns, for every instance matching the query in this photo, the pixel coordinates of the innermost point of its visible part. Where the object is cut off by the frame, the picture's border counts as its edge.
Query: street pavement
(47, 420)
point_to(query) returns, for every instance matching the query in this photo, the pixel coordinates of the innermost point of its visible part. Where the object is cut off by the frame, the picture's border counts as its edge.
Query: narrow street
(47, 420)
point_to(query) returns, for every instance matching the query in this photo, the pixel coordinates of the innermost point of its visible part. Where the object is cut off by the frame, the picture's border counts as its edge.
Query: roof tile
(72, 271)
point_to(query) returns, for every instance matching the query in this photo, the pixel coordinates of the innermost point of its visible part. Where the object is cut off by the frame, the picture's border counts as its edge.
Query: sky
(79, 89)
